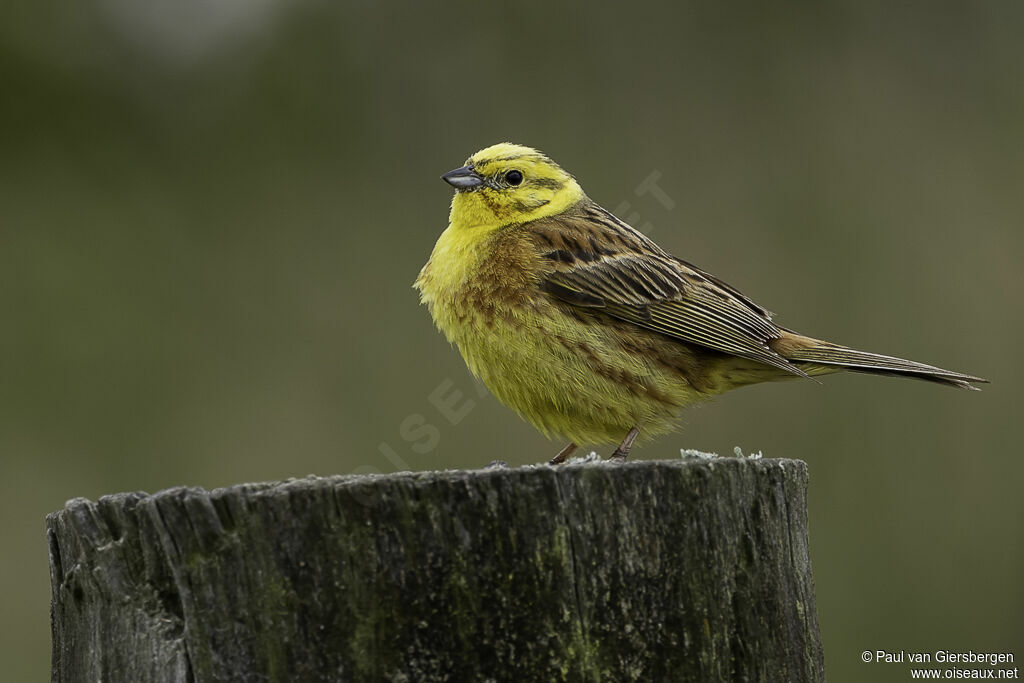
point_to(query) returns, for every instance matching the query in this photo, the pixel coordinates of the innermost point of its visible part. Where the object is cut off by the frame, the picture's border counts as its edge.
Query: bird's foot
(622, 452)
(563, 454)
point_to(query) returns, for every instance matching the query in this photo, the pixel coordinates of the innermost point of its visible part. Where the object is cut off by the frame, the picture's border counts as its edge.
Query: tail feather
(841, 357)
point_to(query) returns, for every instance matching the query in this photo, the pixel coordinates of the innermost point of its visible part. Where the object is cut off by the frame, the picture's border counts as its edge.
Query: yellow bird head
(506, 183)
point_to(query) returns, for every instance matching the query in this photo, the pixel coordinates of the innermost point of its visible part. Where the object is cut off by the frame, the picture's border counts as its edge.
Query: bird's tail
(825, 357)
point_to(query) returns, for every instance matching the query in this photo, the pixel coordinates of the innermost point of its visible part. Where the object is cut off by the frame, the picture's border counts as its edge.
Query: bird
(588, 329)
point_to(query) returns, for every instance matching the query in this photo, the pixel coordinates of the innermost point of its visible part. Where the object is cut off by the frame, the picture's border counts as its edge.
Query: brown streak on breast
(503, 283)
(686, 361)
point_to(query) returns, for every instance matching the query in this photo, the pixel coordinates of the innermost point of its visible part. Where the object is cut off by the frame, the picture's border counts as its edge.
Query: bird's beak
(464, 178)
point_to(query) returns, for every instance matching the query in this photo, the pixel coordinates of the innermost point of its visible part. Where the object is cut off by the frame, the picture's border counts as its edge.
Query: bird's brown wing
(599, 263)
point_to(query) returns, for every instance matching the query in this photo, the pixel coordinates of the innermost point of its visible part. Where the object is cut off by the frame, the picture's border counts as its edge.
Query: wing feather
(599, 263)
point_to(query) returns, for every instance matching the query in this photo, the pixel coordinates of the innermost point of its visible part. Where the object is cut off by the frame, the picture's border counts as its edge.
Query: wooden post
(688, 570)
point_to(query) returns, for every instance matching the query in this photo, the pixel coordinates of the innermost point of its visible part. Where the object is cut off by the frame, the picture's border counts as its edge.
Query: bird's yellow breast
(473, 278)
(564, 377)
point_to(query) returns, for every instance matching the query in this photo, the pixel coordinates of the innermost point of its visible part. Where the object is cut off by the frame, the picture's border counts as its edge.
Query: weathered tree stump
(690, 570)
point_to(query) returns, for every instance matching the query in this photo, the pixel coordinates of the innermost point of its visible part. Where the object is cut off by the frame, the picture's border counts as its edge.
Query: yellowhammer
(586, 327)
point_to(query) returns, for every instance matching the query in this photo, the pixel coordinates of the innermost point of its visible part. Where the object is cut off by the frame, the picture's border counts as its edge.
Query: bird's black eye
(513, 177)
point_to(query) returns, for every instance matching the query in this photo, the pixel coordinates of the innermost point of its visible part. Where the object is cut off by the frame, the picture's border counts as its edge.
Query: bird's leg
(623, 450)
(563, 454)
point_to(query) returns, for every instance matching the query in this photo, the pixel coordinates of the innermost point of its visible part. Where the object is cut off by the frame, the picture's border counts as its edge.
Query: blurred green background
(212, 214)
